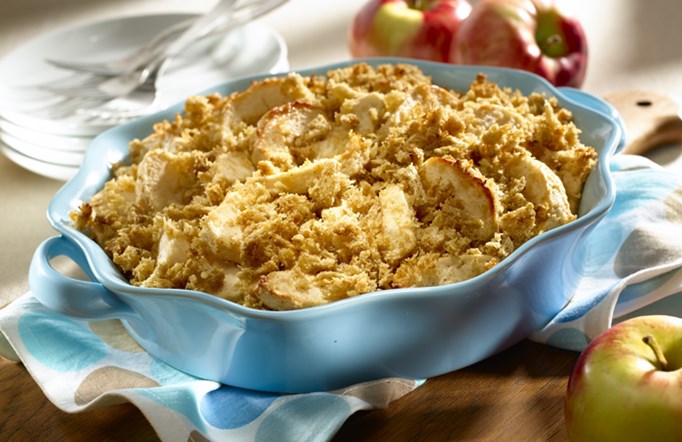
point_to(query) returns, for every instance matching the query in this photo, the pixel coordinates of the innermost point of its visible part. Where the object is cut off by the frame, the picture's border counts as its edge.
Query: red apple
(627, 383)
(407, 28)
(534, 35)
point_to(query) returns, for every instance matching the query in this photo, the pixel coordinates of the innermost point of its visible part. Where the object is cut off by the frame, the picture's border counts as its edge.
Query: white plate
(251, 49)
(44, 154)
(54, 171)
(54, 142)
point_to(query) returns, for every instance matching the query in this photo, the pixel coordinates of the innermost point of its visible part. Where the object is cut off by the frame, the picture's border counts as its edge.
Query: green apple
(627, 383)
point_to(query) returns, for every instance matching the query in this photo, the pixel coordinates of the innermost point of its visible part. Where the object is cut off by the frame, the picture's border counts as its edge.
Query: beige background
(634, 44)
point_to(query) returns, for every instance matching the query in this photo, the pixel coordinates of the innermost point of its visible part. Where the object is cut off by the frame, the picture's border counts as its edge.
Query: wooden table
(515, 395)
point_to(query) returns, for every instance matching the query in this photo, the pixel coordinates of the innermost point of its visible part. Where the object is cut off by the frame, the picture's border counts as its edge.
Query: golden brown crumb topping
(301, 191)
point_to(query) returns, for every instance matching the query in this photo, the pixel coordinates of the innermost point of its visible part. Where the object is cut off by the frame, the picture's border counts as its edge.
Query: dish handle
(70, 296)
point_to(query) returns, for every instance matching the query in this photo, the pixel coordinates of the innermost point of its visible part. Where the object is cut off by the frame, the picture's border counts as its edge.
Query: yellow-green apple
(407, 28)
(534, 35)
(627, 383)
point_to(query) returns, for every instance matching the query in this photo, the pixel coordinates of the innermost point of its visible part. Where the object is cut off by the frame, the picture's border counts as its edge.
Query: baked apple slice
(285, 127)
(398, 224)
(544, 189)
(294, 289)
(447, 180)
(251, 104)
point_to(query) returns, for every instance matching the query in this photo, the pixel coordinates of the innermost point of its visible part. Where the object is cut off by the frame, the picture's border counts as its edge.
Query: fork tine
(129, 62)
(70, 106)
(96, 86)
(71, 82)
(241, 10)
(139, 87)
(61, 106)
(84, 90)
(94, 67)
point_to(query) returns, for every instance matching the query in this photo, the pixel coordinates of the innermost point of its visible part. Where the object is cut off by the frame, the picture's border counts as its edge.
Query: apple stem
(653, 343)
(419, 5)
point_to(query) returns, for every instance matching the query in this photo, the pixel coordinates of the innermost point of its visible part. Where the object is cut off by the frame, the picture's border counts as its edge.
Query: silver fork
(139, 86)
(165, 41)
(130, 62)
(140, 101)
(199, 27)
(109, 87)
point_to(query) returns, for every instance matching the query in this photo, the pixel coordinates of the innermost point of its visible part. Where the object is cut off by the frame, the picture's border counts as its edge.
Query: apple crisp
(304, 190)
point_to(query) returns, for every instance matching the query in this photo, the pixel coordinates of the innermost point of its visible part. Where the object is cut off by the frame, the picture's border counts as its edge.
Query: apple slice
(289, 290)
(444, 96)
(164, 177)
(399, 225)
(339, 144)
(283, 128)
(544, 189)
(250, 105)
(235, 284)
(174, 249)
(400, 106)
(369, 110)
(220, 227)
(300, 179)
(294, 289)
(456, 181)
(232, 166)
(433, 269)
(174, 246)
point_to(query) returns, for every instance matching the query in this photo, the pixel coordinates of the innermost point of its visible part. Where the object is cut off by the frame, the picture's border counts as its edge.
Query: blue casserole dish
(412, 333)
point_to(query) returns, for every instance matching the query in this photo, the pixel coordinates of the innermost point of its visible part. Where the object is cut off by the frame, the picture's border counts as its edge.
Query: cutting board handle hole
(644, 103)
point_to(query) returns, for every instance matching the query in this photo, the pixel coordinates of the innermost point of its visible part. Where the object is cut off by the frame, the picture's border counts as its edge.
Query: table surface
(517, 394)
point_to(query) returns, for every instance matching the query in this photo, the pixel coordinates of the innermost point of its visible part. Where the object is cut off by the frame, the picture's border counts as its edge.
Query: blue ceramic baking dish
(413, 333)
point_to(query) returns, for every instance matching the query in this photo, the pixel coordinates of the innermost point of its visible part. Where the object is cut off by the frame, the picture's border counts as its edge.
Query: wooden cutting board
(651, 119)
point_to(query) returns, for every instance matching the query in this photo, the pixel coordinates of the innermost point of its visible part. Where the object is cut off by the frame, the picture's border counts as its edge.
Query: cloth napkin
(82, 365)
(633, 266)
(633, 262)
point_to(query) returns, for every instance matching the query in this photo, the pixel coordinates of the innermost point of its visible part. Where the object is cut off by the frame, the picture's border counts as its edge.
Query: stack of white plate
(44, 134)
